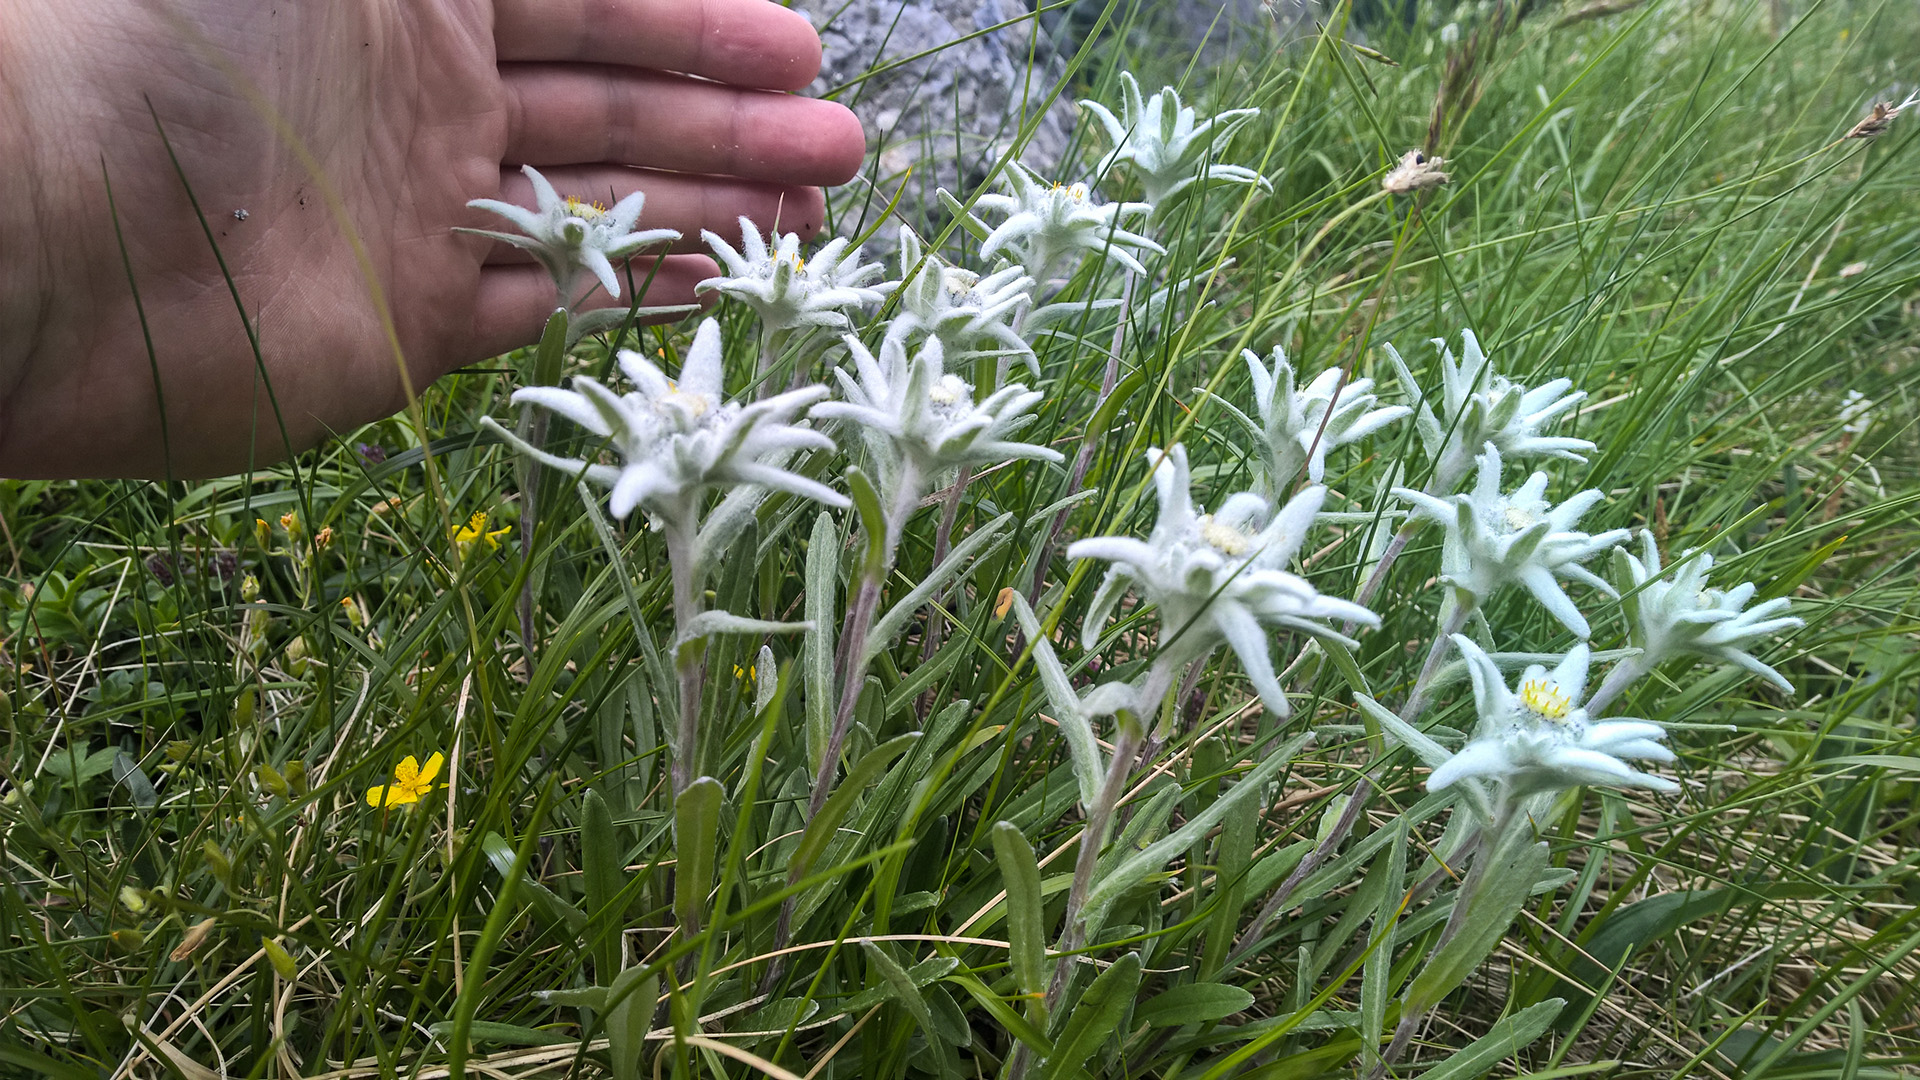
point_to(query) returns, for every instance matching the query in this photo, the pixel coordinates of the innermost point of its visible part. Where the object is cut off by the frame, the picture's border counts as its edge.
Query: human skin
(352, 133)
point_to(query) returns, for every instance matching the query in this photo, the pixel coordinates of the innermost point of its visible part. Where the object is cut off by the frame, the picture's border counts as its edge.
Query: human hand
(352, 136)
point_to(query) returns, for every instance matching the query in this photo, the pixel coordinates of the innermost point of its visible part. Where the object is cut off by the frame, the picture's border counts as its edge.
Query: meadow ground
(213, 867)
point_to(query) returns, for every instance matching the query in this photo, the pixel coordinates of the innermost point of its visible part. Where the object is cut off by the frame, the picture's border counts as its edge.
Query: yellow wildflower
(474, 534)
(411, 780)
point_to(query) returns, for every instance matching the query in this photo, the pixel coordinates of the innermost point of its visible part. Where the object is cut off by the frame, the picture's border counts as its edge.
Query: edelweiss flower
(959, 307)
(1537, 737)
(1479, 405)
(1218, 577)
(1165, 143)
(569, 236)
(1681, 616)
(787, 291)
(1295, 426)
(930, 416)
(1045, 222)
(678, 439)
(1495, 540)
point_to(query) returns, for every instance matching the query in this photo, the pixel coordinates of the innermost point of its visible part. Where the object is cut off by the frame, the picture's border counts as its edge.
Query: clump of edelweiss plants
(869, 419)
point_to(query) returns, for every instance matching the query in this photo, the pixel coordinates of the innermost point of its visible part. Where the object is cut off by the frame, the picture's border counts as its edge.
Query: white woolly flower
(1047, 221)
(1218, 577)
(677, 439)
(1681, 616)
(928, 415)
(1298, 425)
(963, 310)
(1166, 144)
(786, 290)
(1536, 737)
(568, 236)
(1479, 405)
(1856, 414)
(1494, 540)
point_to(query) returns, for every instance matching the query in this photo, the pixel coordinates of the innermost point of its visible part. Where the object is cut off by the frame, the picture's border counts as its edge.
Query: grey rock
(946, 118)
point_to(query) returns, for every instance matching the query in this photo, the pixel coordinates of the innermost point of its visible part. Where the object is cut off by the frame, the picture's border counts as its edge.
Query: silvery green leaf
(1430, 753)
(978, 545)
(1089, 764)
(708, 623)
(1507, 1037)
(816, 649)
(766, 679)
(1154, 857)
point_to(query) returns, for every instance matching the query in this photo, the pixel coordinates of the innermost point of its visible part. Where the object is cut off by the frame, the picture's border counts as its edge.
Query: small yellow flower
(1003, 603)
(411, 780)
(474, 533)
(744, 672)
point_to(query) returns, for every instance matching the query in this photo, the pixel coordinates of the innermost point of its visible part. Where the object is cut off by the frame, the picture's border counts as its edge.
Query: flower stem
(853, 645)
(1622, 675)
(689, 657)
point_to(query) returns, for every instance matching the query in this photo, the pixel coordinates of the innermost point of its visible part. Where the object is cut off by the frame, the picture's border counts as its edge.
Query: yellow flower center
(1544, 699)
(1224, 538)
(950, 390)
(585, 211)
(1519, 520)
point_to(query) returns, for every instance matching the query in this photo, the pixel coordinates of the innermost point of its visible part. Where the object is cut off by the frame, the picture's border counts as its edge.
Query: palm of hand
(332, 149)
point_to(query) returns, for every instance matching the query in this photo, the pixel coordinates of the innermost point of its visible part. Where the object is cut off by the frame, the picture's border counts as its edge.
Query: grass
(1656, 203)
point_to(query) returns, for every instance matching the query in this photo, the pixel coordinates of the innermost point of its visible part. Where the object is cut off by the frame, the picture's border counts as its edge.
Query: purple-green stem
(853, 663)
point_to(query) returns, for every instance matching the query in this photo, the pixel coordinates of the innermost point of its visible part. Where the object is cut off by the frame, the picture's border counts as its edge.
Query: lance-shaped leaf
(981, 543)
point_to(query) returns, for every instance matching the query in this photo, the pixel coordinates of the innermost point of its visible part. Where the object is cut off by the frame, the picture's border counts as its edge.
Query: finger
(683, 202)
(566, 114)
(514, 301)
(741, 42)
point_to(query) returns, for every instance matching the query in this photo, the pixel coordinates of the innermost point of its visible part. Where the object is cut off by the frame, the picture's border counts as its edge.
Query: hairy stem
(689, 657)
(1622, 675)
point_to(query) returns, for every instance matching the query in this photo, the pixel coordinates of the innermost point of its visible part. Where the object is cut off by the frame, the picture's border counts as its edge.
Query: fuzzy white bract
(969, 314)
(678, 439)
(1478, 405)
(1046, 221)
(1535, 737)
(914, 408)
(568, 236)
(1679, 615)
(1494, 540)
(786, 290)
(1218, 577)
(1299, 424)
(1166, 144)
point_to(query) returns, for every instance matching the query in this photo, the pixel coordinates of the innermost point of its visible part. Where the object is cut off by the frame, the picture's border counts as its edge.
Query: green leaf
(504, 1034)
(977, 545)
(582, 997)
(899, 985)
(551, 906)
(1093, 1018)
(696, 832)
(873, 521)
(552, 349)
(1430, 753)
(1194, 1003)
(816, 649)
(925, 973)
(1026, 912)
(996, 1007)
(1502, 888)
(1089, 766)
(603, 873)
(826, 824)
(1102, 418)
(627, 1023)
(1149, 861)
(708, 623)
(1510, 1035)
(140, 789)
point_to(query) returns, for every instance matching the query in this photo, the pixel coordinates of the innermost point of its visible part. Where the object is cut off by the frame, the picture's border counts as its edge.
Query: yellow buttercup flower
(474, 533)
(411, 781)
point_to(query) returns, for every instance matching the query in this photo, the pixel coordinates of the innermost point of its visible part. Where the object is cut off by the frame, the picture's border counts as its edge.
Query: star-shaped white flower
(568, 236)
(970, 315)
(786, 290)
(1166, 145)
(1218, 577)
(929, 416)
(1680, 615)
(1298, 425)
(1537, 738)
(678, 439)
(1495, 540)
(1478, 405)
(1047, 221)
